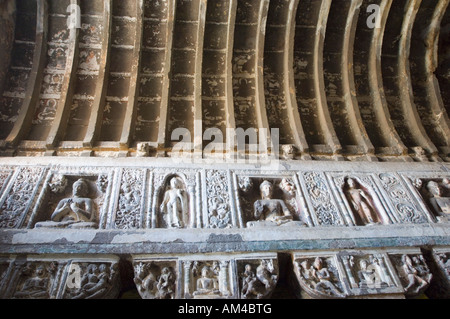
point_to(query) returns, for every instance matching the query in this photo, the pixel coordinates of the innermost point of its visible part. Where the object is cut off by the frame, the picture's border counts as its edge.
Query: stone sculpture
(95, 283)
(175, 205)
(208, 283)
(74, 212)
(317, 279)
(440, 204)
(362, 204)
(417, 275)
(36, 285)
(261, 284)
(268, 210)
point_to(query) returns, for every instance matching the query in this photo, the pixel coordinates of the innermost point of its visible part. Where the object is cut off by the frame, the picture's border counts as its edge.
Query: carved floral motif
(19, 197)
(128, 214)
(403, 203)
(322, 202)
(218, 199)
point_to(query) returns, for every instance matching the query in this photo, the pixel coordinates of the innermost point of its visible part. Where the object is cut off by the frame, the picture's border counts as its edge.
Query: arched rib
(397, 77)
(34, 84)
(185, 95)
(348, 80)
(289, 81)
(197, 139)
(281, 104)
(165, 95)
(375, 79)
(261, 114)
(218, 110)
(65, 101)
(339, 79)
(93, 129)
(427, 95)
(229, 105)
(319, 83)
(129, 123)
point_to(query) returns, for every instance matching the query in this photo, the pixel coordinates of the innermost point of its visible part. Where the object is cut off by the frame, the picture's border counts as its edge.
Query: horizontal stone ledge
(188, 241)
(174, 162)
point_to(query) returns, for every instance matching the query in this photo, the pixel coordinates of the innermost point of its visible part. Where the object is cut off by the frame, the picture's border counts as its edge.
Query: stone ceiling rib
(334, 87)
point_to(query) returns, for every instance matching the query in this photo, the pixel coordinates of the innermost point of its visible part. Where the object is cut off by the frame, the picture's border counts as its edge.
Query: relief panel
(18, 198)
(73, 200)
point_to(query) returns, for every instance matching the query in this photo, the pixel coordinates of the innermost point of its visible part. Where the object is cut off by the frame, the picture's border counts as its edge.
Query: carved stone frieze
(361, 201)
(156, 279)
(34, 279)
(129, 210)
(246, 276)
(267, 201)
(360, 274)
(413, 272)
(435, 195)
(257, 278)
(70, 200)
(58, 277)
(319, 276)
(174, 199)
(17, 200)
(91, 279)
(321, 203)
(401, 200)
(218, 188)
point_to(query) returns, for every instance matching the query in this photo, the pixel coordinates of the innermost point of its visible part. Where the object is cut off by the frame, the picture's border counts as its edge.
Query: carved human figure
(129, 199)
(367, 275)
(361, 203)
(269, 209)
(74, 212)
(143, 149)
(417, 276)
(446, 184)
(166, 284)
(36, 286)
(95, 282)
(258, 285)
(306, 270)
(288, 151)
(145, 283)
(323, 277)
(287, 186)
(175, 204)
(440, 205)
(207, 283)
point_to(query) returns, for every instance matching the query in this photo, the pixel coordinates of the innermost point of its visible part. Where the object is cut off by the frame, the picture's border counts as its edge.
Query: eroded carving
(128, 214)
(269, 202)
(259, 284)
(414, 273)
(319, 277)
(438, 201)
(319, 194)
(35, 281)
(16, 203)
(98, 281)
(218, 200)
(77, 211)
(175, 204)
(368, 273)
(210, 279)
(155, 280)
(362, 204)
